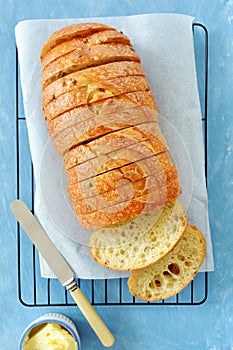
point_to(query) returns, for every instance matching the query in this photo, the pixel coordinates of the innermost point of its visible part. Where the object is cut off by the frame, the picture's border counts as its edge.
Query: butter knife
(60, 268)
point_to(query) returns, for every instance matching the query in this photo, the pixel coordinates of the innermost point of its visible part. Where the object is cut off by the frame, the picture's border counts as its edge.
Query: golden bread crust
(95, 92)
(116, 140)
(154, 193)
(136, 173)
(85, 58)
(102, 37)
(115, 159)
(88, 76)
(127, 210)
(70, 32)
(102, 119)
(125, 110)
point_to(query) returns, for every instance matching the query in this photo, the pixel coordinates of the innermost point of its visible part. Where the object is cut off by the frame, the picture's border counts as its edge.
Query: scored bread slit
(102, 72)
(116, 112)
(134, 171)
(133, 209)
(105, 184)
(113, 160)
(105, 171)
(96, 38)
(93, 92)
(123, 108)
(71, 32)
(117, 139)
(83, 100)
(97, 55)
(75, 68)
(71, 137)
(155, 195)
(115, 180)
(130, 98)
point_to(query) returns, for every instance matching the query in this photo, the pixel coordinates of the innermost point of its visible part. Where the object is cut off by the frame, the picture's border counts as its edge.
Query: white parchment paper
(164, 43)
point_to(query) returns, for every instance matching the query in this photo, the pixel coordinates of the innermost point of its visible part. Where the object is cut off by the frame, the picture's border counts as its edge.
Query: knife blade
(61, 268)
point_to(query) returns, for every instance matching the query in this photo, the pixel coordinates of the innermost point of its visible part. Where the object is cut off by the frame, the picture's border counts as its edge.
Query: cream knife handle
(96, 322)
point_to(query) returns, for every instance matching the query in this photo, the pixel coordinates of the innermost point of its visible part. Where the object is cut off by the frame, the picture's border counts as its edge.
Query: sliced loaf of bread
(173, 272)
(94, 85)
(140, 242)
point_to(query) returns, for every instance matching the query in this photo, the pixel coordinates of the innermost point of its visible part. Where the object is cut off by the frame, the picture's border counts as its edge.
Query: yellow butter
(51, 337)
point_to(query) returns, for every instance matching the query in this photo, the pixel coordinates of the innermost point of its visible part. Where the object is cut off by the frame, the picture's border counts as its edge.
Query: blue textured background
(209, 326)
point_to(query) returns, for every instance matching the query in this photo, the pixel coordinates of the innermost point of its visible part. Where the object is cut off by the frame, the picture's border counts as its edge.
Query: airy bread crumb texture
(173, 272)
(139, 242)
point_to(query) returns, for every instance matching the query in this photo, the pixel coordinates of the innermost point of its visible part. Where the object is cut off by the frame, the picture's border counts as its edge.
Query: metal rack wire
(36, 291)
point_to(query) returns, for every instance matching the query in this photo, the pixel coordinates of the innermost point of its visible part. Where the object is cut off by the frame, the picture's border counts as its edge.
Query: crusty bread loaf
(173, 272)
(100, 111)
(102, 119)
(139, 242)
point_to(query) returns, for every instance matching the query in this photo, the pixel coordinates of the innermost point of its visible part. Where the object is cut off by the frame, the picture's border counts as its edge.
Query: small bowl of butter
(50, 332)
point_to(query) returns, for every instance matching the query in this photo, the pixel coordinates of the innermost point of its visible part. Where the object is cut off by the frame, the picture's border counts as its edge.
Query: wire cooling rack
(36, 291)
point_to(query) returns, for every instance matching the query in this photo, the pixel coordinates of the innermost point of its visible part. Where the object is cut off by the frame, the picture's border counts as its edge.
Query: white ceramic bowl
(60, 319)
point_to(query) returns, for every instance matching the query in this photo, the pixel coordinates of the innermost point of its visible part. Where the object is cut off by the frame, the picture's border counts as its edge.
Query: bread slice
(120, 110)
(136, 173)
(70, 141)
(70, 32)
(103, 37)
(78, 192)
(89, 76)
(85, 58)
(155, 193)
(173, 272)
(115, 140)
(95, 92)
(94, 128)
(141, 241)
(129, 209)
(115, 159)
